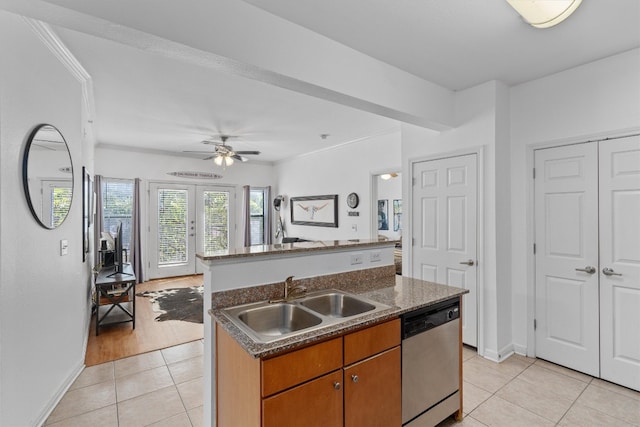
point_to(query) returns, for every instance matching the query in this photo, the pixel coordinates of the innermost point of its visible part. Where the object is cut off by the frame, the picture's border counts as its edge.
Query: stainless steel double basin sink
(271, 321)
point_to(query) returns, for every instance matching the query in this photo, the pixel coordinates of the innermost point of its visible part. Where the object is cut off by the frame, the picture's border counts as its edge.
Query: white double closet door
(587, 262)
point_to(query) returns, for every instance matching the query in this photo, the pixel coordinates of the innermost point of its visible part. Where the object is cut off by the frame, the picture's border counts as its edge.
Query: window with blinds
(256, 212)
(60, 203)
(117, 207)
(216, 220)
(173, 244)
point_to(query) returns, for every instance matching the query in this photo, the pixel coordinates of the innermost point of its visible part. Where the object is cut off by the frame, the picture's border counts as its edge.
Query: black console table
(115, 297)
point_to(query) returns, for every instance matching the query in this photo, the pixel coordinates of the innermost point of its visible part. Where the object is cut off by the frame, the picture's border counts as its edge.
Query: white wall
(481, 129)
(150, 167)
(595, 100)
(44, 297)
(340, 171)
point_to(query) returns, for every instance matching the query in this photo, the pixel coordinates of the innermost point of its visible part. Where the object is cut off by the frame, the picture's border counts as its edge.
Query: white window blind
(256, 212)
(117, 207)
(216, 220)
(172, 226)
(60, 202)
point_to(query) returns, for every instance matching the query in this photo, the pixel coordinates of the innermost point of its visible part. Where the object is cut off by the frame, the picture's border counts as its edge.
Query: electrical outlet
(375, 256)
(356, 259)
(354, 227)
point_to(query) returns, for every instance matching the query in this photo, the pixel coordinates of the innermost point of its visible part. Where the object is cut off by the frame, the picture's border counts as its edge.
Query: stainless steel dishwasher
(430, 364)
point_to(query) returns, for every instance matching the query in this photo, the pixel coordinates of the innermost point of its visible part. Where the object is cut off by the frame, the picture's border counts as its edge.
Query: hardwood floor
(119, 341)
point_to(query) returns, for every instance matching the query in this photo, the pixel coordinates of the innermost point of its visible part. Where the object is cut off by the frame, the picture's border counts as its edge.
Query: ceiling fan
(223, 154)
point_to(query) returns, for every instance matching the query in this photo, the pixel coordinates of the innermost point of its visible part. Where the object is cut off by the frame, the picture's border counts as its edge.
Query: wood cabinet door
(317, 403)
(372, 391)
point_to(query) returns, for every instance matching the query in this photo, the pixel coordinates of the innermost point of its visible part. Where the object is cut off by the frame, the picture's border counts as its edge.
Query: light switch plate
(64, 247)
(375, 256)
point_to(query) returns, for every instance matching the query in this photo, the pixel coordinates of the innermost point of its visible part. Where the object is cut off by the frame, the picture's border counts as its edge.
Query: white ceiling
(154, 102)
(461, 43)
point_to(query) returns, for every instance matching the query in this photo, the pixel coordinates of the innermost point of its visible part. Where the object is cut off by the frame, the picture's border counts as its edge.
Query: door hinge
(534, 248)
(413, 241)
(534, 173)
(413, 182)
(535, 324)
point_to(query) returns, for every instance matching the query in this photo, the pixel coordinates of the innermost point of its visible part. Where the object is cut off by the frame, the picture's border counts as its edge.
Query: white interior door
(620, 254)
(566, 236)
(444, 223)
(215, 225)
(172, 231)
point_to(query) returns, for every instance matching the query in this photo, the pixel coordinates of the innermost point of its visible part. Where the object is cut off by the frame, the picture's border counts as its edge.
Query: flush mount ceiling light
(544, 13)
(387, 176)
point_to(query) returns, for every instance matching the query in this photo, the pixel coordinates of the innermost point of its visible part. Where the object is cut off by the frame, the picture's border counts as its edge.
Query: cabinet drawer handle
(336, 385)
(354, 378)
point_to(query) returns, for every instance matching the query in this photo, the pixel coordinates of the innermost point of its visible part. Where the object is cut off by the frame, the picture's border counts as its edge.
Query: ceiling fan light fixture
(544, 13)
(223, 160)
(385, 176)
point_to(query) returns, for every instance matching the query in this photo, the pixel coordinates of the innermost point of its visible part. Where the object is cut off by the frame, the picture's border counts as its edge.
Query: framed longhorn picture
(321, 211)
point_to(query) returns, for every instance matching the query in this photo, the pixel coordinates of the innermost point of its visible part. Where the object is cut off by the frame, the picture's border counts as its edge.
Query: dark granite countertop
(406, 295)
(291, 248)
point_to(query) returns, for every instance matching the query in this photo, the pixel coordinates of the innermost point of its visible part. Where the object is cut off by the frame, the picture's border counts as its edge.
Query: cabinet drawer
(290, 369)
(367, 342)
(317, 403)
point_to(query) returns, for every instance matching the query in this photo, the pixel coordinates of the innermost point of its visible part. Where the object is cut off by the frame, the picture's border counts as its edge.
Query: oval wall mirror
(47, 176)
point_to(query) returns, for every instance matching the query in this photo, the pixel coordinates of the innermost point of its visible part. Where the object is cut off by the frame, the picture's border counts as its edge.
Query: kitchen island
(362, 268)
(349, 370)
(252, 267)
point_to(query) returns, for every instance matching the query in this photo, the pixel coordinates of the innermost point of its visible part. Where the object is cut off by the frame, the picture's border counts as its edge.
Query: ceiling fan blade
(237, 157)
(198, 152)
(253, 153)
(209, 158)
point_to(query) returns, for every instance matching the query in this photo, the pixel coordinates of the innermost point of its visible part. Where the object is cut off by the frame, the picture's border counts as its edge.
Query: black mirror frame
(25, 174)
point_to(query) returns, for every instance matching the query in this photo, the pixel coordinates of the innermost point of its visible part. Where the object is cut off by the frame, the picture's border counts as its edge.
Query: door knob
(468, 262)
(587, 269)
(336, 385)
(609, 272)
(354, 378)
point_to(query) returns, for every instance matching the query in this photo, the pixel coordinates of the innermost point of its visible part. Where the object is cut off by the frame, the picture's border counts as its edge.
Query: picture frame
(319, 211)
(87, 211)
(397, 214)
(383, 214)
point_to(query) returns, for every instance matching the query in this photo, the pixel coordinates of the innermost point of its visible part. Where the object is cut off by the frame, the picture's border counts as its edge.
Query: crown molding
(51, 40)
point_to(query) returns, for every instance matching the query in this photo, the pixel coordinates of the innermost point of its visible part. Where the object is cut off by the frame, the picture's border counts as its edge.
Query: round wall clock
(353, 200)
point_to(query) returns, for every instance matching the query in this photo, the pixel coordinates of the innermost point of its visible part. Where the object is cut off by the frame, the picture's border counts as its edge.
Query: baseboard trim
(75, 373)
(57, 397)
(503, 354)
(520, 349)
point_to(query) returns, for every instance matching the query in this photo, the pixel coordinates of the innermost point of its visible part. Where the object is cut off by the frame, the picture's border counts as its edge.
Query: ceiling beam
(237, 38)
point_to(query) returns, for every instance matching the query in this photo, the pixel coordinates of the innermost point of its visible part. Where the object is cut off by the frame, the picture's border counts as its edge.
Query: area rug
(177, 303)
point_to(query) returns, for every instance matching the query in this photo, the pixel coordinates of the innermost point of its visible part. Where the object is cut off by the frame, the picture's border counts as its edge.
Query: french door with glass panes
(186, 219)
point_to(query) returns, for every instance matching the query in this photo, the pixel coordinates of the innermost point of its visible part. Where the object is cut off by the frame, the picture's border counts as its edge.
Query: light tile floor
(531, 392)
(161, 388)
(164, 388)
